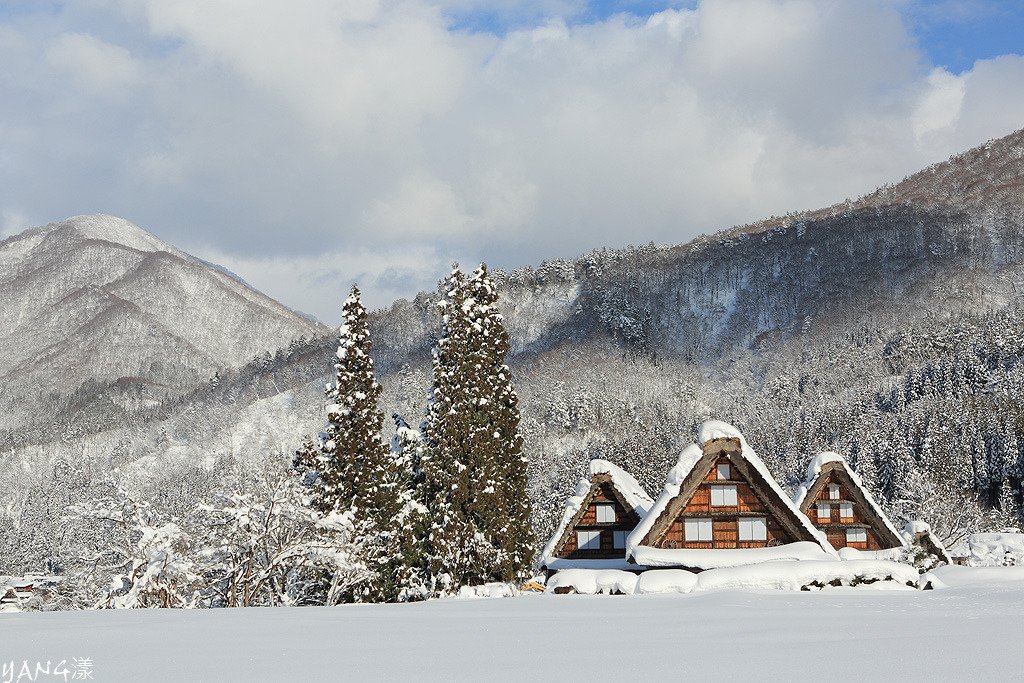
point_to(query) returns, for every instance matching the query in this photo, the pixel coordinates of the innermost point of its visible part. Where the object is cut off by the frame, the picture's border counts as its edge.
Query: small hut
(834, 498)
(608, 505)
(721, 507)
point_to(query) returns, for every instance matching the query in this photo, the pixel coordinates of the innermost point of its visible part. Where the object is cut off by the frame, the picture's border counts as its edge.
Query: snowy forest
(889, 329)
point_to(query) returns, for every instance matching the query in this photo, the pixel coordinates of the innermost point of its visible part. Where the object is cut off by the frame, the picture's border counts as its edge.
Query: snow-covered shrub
(273, 548)
(160, 572)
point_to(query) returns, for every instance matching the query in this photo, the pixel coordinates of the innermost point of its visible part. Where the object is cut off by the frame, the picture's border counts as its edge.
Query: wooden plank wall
(624, 521)
(725, 530)
(835, 527)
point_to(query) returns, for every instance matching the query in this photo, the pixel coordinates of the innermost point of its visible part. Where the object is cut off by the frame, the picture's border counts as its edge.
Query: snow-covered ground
(969, 630)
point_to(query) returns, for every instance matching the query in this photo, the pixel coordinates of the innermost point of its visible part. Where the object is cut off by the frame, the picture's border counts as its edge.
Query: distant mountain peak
(96, 298)
(110, 229)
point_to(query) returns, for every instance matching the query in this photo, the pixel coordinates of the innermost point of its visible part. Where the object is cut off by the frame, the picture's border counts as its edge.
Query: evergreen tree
(474, 476)
(454, 546)
(502, 504)
(352, 462)
(411, 570)
(352, 468)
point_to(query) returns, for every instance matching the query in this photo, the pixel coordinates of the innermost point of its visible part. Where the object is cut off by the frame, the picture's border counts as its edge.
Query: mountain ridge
(73, 289)
(892, 334)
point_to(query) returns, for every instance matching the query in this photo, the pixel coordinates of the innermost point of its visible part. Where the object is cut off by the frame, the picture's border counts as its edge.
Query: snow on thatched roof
(712, 430)
(920, 533)
(625, 484)
(819, 464)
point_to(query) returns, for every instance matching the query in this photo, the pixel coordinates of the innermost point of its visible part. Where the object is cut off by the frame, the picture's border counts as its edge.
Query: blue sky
(956, 34)
(953, 33)
(307, 144)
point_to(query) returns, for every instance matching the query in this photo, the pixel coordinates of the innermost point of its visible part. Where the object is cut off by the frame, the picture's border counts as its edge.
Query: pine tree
(474, 476)
(352, 469)
(453, 544)
(411, 570)
(502, 503)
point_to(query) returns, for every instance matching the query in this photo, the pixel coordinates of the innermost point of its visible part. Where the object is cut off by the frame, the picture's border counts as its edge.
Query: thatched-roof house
(608, 505)
(835, 499)
(721, 507)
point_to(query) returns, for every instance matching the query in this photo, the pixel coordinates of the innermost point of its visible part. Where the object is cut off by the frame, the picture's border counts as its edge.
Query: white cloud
(939, 107)
(94, 64)
(12, 222)
(265, 135)
(317, 284)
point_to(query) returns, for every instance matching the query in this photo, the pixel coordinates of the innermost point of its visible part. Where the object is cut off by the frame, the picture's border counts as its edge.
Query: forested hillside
(888, 328)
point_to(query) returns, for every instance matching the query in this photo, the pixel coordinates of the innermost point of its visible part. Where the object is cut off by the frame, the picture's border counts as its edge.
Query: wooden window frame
(726, 488)
(594, 535)
(750, 521)
(603, 507)
(817, 512)
(857, 530)
(699, 522)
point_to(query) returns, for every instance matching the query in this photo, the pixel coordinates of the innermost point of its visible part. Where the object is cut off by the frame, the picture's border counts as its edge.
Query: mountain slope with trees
(887, 328)
(95, 303)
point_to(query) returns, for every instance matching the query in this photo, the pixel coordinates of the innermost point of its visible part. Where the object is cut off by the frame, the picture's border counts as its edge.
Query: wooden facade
(599, 528)
(725, 502)
(836, 504)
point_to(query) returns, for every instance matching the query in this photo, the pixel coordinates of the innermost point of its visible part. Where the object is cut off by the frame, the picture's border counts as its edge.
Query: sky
(311, 144)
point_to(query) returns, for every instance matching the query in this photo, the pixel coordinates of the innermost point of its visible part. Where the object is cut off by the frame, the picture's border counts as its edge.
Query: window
(856, 535)
(723, 496)
(588, 540)
(845, 510)
(753, 529)
(833, 491)
(824, 511)
(698, 529)
(620, 539)
(605, 514)
(723, 472)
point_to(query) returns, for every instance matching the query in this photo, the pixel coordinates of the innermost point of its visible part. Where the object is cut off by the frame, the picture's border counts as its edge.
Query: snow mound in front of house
(783, 575)
(593, 582)
(717, 558)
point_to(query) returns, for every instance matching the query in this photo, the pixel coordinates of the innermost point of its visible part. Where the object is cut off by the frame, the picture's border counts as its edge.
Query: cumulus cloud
(96, 66)
(309, 143)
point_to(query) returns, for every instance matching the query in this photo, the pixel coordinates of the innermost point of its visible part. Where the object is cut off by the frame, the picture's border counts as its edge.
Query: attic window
(723, 472)
(845, 510)
(619, 539)
(824, 511)
(723, 496)
(753, 529)
(698, 529)
(833, 491)
(856, 535)
(588, 540)
(605, 513)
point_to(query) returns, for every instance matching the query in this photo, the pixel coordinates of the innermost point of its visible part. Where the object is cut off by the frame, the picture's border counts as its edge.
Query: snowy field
(970, 630)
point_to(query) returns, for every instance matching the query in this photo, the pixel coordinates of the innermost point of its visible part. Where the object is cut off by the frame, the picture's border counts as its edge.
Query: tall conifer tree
(474, 476)
(501, 503)
(355, 470)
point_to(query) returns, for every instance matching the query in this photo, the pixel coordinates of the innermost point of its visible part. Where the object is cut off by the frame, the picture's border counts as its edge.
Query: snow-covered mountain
(889, 328)
(98, 301)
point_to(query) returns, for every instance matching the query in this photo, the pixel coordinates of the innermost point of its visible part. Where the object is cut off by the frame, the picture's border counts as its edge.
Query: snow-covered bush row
(779, 575)
(992, 550)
